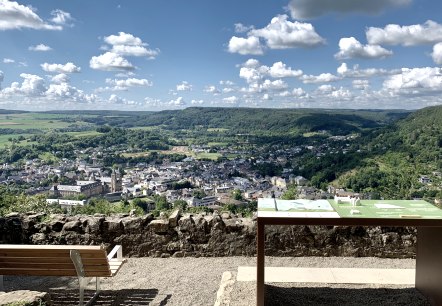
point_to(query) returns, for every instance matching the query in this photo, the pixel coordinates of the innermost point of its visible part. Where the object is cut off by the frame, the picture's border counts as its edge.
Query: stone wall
(205, 235)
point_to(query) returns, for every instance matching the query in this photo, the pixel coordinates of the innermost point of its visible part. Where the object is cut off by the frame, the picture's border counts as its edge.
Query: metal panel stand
(429, 263)
(260, 264)
(82, 279)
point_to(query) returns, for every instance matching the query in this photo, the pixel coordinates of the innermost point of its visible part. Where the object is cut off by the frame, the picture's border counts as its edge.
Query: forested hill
(399, 155)
(248, 120)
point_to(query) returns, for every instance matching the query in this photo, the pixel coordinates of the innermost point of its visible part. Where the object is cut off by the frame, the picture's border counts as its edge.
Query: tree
(236, 195)
(199, 193)
(161, 203)
(180, 204)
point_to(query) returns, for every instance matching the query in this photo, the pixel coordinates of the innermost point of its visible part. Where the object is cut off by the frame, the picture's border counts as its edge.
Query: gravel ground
(195, 281)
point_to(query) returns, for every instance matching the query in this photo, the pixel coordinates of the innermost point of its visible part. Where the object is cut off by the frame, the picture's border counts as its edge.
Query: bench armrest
(117, 250)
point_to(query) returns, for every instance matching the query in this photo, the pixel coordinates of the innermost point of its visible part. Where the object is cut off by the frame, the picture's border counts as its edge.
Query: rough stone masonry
(206, 235)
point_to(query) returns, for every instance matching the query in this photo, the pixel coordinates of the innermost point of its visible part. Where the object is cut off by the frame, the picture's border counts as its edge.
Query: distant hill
(9, 111)
(250, 120)
(399, 154)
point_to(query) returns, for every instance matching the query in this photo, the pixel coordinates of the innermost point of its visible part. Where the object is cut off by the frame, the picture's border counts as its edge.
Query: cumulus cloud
(426, 78)
(437, 53)
(231, 100)
(2, 76)
(240, 28)
(61, 17)
(306, 9)
(199, 102)
(273, 85)
(129, 45)
(322, 78)
(211, 89)
(280, 70)
(341, 93)
(226, 83)
(32, 85)
(60, 68)
(40, 47)
(281, 33)
(428, 33)
(184, 86)
(361, 84)
(252, 71)
(110, 61)
(8, 61)
(17, 16)
(177, 102)
(244, 46)
(130, 82)
(60, 78)
(350, 47)
(355, 72)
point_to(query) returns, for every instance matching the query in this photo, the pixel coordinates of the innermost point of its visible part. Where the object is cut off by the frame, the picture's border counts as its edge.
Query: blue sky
(173, 54)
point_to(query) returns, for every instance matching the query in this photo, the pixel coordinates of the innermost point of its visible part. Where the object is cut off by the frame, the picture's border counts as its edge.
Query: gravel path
(195, 281)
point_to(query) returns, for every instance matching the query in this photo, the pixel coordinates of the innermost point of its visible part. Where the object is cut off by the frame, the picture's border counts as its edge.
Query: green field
(39, 121)
(84, 133)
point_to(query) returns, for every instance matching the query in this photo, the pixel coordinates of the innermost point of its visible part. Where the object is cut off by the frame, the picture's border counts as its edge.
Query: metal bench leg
(2, 285)
(82, 280)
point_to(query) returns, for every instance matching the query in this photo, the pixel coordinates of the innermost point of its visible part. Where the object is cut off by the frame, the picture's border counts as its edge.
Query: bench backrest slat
(52, 260)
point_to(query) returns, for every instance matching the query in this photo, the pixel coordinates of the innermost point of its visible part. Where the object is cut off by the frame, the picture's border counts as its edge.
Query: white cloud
(197, 102)
(130, 82)
(427, 78)
(59, 68)
(40, 47)
(428, 33)
(326, 88)
(231, 100)
(64, 91)
(355, 72)
(281, 33)
(240, 28)
(8, 61)
(341, 93)
(17, 16)
(274, 85)
(32, 85)
(61, 17)
(266, 97)
(2, 76)
(184, 86)
(211, 89)
(134, 51)
(305, 9)
(227, 83)
(110, 61)
(129, 45)
(60, 78)
(280, 70)
(228, 89)
(244, 46)
(350, 47)
(361, 84)
(437, 53)
(123, 39)
(322, 78)
(298, 92)
(177, 102)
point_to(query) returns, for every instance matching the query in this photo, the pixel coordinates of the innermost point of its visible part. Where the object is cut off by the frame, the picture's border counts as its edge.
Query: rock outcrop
(207, 235)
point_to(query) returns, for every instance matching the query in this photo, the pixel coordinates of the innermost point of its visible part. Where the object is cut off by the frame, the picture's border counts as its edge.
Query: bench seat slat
(55, 260)
(51, 260)
(51, 253)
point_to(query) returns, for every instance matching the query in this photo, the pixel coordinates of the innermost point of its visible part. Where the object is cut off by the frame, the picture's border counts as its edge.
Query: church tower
(116, 184)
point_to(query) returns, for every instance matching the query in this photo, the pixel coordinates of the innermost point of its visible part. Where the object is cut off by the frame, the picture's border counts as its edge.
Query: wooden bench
(83, 262)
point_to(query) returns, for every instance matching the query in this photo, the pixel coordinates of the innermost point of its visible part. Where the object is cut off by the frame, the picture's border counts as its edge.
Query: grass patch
(84, 133)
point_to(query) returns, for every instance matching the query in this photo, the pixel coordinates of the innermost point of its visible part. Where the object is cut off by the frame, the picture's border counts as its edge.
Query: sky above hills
(172, 54)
